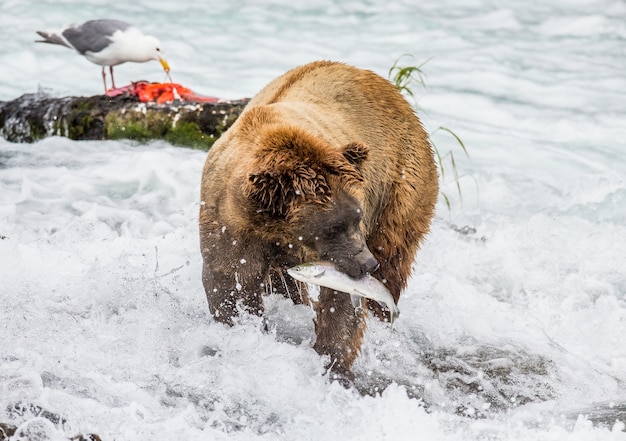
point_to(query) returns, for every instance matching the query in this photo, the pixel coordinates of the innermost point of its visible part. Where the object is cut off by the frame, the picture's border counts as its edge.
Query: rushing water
(513, 324)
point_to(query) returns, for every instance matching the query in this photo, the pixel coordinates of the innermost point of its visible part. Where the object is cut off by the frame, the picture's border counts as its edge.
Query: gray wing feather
(93, 35)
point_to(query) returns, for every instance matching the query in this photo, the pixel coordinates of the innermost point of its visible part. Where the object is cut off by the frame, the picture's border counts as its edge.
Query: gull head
(151, 47)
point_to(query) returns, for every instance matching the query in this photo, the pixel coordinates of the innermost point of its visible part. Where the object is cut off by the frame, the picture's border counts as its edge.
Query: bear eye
(335, 229)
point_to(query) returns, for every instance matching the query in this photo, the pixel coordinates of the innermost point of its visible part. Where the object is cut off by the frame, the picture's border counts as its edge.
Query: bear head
(309, 194)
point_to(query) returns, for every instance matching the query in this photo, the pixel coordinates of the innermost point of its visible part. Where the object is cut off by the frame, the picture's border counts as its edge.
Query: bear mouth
(358, 267)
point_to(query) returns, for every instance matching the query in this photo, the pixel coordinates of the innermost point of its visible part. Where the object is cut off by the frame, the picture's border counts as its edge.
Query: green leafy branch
(441, 161)
(404, 77)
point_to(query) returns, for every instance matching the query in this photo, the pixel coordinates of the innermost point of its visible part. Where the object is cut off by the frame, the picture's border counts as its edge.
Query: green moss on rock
(142, 127)
(83, 116)
(187, 133)
(135, 125)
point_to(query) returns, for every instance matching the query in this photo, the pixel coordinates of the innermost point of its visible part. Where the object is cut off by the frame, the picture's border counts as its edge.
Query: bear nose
(367, 262)
(371, 265)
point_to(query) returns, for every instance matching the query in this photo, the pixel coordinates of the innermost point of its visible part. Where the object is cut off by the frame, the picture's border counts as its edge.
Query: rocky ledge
(32, 117)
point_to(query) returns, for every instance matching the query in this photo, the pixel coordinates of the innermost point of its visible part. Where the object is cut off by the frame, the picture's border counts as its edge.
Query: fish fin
(320, 274)
(393, 315)
(359, 293)
(356, 301)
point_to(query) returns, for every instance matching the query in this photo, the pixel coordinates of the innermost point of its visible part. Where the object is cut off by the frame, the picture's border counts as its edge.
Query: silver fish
(325, 274)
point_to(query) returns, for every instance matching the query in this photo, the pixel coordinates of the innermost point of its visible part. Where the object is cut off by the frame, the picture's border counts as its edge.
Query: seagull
(108, 43)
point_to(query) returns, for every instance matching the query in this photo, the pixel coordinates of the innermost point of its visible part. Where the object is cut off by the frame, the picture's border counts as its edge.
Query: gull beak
(166, 67)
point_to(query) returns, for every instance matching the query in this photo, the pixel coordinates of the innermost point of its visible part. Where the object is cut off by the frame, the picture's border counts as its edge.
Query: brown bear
(328, 162)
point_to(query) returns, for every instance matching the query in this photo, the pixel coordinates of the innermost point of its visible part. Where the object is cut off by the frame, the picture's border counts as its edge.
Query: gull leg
(104, 79)
(112, 77)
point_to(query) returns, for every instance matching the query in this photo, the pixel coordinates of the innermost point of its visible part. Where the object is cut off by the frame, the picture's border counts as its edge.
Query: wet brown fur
(315, 140)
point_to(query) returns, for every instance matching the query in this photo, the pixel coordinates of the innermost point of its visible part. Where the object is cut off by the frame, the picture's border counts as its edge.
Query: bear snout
(360, 264)
(369, 265)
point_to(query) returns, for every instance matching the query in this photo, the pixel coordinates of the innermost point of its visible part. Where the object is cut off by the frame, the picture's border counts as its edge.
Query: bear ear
(278, 193)
(356, 153)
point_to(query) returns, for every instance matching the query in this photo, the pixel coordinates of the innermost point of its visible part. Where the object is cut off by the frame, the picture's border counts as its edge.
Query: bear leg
(389, 273)
(226, 293)
(339, 328)
(395, 265)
